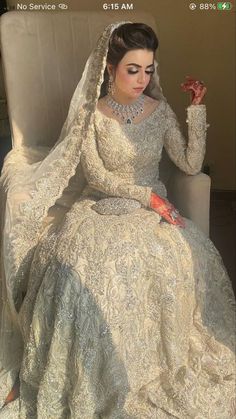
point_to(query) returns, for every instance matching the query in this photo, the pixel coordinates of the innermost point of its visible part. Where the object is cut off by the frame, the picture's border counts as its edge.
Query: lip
(138, 88)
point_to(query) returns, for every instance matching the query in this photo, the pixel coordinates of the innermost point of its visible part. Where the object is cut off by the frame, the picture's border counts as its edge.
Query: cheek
(147, 79)
(123, 78)
(128, 79)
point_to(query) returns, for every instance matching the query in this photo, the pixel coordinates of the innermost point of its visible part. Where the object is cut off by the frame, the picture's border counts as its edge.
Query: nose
(141, 77)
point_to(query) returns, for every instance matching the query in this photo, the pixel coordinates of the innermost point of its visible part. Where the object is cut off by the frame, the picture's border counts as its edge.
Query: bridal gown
(127, 316)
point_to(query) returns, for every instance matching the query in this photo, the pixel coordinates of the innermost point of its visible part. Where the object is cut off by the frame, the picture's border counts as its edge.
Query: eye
(135, 71)
(132, 71)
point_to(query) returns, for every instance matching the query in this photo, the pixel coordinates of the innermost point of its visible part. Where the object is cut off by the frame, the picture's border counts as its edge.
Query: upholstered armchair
(43, 56)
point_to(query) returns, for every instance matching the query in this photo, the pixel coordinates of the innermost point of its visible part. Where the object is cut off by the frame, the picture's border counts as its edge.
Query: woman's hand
(196, 88)
(166, 210)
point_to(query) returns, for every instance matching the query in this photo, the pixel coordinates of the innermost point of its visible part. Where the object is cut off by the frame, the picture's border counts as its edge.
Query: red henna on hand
(196, 88)
(166, 210)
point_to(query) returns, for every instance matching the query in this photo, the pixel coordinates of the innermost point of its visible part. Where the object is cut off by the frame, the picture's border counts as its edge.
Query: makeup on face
(133, 73)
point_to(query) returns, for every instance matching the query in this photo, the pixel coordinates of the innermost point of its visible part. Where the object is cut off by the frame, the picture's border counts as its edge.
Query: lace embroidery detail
(121, 317)
(116, 206)
(187, 156)
(117, 298)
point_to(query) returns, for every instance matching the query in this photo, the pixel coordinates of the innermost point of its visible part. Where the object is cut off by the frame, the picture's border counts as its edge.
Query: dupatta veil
(32, 181)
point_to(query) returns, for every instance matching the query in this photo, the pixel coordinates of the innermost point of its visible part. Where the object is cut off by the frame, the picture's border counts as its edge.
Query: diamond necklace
(126, 112)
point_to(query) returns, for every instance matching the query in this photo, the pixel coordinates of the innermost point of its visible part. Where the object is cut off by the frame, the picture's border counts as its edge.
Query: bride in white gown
(114, 306)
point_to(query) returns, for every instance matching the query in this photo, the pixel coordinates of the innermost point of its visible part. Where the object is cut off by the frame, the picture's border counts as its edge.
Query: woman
(115, 305)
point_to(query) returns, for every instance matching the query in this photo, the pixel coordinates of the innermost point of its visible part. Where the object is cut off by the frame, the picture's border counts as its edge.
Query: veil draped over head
(32, 181)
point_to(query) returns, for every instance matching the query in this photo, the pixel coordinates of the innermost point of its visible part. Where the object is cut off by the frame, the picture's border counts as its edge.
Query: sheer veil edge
(32, 180)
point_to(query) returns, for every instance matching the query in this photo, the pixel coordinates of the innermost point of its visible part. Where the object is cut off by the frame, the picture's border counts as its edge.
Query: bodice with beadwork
(123, 159)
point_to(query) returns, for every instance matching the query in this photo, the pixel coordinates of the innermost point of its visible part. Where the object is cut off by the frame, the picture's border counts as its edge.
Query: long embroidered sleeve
(188, 156)
(103, 180)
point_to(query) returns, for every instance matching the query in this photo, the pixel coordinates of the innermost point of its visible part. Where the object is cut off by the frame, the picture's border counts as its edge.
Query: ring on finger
(174, 214)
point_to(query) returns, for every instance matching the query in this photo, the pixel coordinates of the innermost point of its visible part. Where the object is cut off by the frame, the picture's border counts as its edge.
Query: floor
(223, 233)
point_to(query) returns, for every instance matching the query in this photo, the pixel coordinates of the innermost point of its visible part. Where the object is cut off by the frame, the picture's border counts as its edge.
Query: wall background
(197, 43)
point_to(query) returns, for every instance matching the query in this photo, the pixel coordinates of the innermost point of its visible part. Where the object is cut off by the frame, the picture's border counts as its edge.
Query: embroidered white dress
(127, 316)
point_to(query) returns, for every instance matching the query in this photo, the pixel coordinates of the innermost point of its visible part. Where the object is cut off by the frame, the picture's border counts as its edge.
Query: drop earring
(111, 87)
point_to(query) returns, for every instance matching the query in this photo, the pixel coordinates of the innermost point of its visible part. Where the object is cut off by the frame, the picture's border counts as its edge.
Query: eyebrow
(137, 65)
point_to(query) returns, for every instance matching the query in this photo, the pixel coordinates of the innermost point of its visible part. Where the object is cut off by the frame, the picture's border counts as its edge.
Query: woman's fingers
(166, 210)
(193, 85)
(196, 89)
(173, 217)
(196, 100)
(181, 222)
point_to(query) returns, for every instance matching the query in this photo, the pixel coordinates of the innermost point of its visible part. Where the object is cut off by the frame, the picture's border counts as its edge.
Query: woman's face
(133, 73)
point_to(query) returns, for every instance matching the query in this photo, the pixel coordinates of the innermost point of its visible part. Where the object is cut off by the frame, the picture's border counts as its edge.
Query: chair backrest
(43, 56)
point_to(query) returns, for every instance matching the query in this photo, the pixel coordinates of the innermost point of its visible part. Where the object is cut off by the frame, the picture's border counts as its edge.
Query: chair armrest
(191, 196)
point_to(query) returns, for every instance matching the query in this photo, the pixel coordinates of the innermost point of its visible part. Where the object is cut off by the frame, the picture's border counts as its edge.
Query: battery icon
(224, 5)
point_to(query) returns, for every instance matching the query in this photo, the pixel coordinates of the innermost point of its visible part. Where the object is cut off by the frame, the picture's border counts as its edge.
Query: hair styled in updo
(125, 38)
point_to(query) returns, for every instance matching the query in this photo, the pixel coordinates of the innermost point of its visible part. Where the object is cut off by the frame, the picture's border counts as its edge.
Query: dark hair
(127, 37)
(130, 36)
